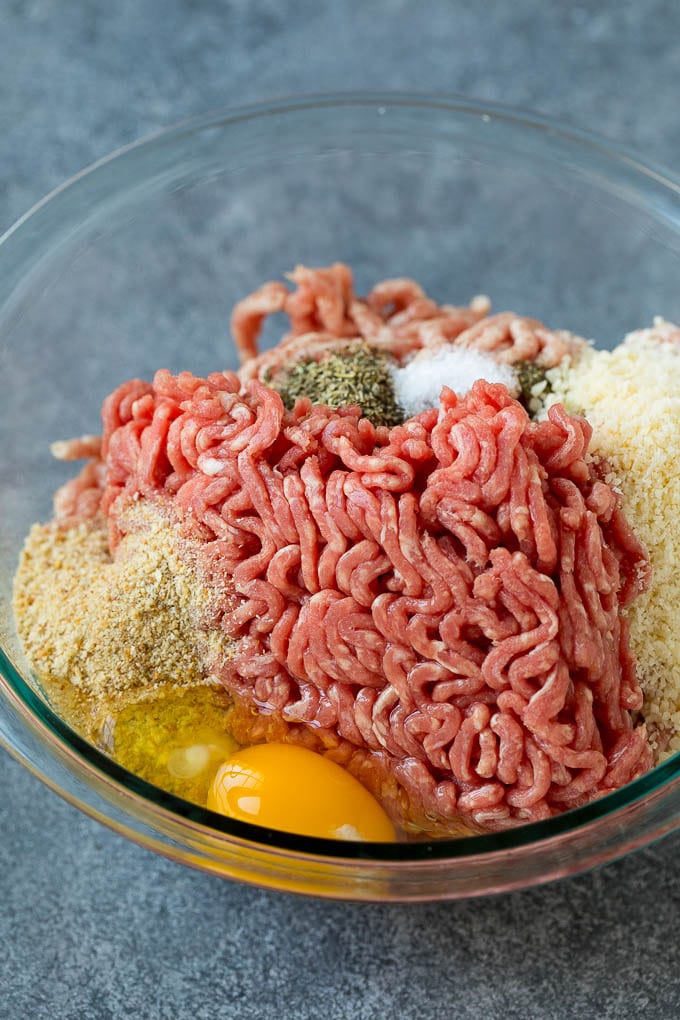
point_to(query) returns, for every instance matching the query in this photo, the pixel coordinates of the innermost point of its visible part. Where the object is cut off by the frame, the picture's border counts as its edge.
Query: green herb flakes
(529, 376)
(356, 375)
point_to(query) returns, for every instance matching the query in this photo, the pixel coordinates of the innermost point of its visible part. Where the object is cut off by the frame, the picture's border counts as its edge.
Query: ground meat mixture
(436, 604)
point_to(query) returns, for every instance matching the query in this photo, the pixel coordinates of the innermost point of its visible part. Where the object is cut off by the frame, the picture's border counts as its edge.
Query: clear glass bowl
(136, 263)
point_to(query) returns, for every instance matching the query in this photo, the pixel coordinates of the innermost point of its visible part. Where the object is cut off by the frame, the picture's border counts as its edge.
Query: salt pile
(418, 384)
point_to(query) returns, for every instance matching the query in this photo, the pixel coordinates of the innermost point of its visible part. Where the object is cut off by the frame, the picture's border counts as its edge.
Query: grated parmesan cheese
(631, 397)
(418, 384)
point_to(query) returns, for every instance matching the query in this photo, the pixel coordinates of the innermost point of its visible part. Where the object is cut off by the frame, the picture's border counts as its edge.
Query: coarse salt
(418, 383)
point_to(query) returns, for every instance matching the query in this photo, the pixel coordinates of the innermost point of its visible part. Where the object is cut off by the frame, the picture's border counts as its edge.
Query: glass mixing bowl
(136, 263)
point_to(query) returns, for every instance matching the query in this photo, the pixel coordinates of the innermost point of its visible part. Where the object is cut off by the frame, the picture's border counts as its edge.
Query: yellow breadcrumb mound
(120, 650)
(108, 625)
(631, 397)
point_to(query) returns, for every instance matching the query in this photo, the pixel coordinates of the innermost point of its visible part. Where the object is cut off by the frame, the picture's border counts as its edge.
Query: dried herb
(356, 375)
(529, 375)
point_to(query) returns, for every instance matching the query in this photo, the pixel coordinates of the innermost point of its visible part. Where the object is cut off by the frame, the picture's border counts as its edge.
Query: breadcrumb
(108, 625)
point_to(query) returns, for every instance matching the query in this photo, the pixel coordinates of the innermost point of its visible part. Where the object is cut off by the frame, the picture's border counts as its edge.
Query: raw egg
(174, 739)
(282, 786)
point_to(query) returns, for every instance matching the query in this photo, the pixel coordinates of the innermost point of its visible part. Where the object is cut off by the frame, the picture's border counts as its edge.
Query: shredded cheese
(631, 397)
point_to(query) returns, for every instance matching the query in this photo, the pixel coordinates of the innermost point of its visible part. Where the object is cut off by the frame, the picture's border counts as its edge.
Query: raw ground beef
(437, 604)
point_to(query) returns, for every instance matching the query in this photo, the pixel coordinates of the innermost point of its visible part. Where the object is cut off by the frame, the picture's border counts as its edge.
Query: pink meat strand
(396, 317)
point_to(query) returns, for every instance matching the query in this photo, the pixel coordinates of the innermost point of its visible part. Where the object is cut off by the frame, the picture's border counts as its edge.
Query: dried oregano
(355, 375)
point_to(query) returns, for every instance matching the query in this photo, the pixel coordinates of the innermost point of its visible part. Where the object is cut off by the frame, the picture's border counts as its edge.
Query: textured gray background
(93, 928)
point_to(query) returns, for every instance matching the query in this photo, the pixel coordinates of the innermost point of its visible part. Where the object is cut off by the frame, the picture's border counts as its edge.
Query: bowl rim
(40, 718)
(455, 102)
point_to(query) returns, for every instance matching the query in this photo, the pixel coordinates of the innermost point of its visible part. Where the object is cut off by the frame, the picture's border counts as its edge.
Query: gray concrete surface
(93, 928)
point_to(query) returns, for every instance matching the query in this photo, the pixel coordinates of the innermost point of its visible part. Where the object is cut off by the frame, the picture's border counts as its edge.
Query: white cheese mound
(631, 397)
(418, 383)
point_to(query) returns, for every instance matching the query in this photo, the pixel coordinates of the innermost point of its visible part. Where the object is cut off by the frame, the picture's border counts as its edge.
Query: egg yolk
(282, 786)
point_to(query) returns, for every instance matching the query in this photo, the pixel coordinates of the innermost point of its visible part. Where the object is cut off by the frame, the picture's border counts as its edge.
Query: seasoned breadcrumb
(111, 625)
